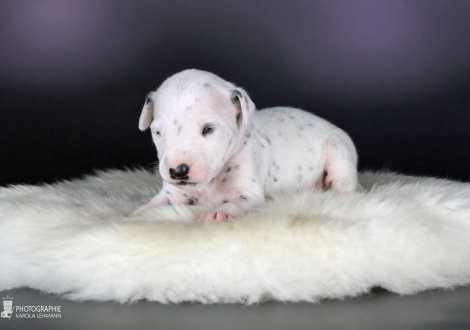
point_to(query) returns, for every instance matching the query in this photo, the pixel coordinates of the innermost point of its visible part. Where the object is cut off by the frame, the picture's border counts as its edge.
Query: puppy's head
(198, 121)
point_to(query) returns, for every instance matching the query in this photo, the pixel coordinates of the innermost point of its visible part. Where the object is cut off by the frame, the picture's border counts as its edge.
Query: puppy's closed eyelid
(207, 129)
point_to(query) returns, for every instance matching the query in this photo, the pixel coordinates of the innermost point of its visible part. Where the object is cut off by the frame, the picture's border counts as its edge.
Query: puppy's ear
(147, 113)
(245, 106)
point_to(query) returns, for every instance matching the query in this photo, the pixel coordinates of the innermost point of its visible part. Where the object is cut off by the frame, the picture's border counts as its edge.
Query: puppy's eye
(157, 133)
(207, 129)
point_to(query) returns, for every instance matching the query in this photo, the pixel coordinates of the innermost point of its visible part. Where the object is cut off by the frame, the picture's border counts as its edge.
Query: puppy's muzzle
(180, 172)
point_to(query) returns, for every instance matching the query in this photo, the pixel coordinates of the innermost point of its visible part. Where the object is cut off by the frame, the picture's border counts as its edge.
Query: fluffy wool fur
(76, 239)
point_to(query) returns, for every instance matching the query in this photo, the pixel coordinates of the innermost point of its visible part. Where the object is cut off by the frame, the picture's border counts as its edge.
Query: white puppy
(213, 146)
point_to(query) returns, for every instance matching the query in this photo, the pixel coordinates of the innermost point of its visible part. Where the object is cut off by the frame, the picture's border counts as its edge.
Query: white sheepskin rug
(76, 239)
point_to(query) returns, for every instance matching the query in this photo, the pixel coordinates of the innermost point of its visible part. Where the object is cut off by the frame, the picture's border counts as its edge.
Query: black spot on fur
(244, 198)
(168, 201)
(193, 201)
(175, 122)
(228, 169)
(180, 128)
(225, 201)
(275, 179)
(206, 85)
(291, 117)
(167, 192)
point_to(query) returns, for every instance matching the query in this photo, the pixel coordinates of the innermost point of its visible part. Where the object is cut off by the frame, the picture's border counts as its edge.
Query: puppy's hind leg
(340, 171)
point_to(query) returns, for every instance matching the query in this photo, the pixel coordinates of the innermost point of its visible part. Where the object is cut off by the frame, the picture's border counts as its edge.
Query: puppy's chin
(189, 184)
(186, 184)
(180, 183)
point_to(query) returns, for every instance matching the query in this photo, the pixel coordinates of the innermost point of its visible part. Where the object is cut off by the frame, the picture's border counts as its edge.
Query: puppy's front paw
(215, 216)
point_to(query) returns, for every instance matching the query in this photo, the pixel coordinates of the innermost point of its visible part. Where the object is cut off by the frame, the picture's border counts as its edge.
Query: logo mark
(8, 307)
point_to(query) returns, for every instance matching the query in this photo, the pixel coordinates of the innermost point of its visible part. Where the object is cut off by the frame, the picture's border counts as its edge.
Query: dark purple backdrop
(74, 74)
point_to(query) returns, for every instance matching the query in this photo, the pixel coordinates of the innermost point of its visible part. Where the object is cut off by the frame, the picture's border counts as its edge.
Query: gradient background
(74, 75)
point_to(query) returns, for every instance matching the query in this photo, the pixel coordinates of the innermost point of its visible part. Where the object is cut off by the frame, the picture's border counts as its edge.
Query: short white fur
(248, 155)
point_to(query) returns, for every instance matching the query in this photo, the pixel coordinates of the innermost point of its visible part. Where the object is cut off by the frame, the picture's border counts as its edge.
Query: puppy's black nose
(180, 172)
